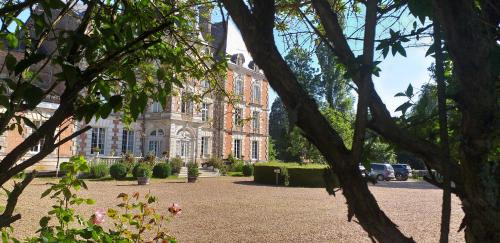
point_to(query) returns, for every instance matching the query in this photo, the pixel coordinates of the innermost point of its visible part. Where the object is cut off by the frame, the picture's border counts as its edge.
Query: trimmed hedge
(162, 170)
(248, 170)
(118, 171)
(311, 175)
(142, 170)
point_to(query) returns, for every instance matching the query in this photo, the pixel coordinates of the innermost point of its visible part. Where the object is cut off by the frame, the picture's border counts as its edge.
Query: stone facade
(193, 131)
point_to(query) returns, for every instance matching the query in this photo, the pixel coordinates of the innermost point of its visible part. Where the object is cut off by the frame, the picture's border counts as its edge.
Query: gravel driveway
(232, 209)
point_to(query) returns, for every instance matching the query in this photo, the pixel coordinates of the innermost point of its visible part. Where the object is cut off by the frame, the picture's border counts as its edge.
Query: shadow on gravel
(405, 184)
(253, 183)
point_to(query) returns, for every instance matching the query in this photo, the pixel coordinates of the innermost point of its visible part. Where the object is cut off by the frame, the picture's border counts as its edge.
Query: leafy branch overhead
(94, 58)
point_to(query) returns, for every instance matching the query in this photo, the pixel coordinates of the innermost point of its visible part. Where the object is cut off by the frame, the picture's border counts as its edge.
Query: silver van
(381, 171)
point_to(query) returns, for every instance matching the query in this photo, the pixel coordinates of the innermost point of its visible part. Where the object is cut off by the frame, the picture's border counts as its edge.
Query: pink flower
(175, 209)
(98, 217)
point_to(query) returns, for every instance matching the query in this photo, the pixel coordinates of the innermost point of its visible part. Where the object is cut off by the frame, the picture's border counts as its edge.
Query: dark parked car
(402, 171)
(381, 171)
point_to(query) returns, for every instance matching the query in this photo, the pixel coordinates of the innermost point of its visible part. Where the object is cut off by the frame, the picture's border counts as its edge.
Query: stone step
(204, 173)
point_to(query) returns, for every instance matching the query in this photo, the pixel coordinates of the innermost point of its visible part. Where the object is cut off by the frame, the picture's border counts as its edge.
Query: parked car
(381, 171)
(402, 171)
(362, 169)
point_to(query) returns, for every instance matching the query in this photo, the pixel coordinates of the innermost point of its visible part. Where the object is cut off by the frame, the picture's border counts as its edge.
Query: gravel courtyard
(232, 209)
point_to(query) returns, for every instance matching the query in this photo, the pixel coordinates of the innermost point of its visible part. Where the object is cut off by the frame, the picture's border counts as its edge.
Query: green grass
(291, 165)
(235, 174)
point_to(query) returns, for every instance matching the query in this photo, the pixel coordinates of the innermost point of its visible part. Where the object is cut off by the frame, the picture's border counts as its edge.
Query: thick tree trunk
(257, 32)
(470, 29)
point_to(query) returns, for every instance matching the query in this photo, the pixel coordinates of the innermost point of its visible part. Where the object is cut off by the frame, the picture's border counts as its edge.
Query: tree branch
(7, 217)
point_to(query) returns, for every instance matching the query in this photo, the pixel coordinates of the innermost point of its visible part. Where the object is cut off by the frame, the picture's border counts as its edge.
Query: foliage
(278, 131)
(291, 174)
(149, 160)
(99, 170)
(193, 170)
(138, 221)
(142, 170)
(128, 160)
(248, 170)
(299, 60)
(162, 170)
(216, 162)
(103, 57)
(176, 164)
(237, 166)
(271, 150)
(118, 171)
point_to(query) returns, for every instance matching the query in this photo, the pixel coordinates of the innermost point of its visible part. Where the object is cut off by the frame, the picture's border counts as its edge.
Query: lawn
(234, 209)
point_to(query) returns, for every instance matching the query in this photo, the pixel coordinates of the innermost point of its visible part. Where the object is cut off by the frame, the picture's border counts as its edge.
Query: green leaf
(404, 107)
(90, 201)
(4, 101)
(129, 76)
(400, 94)
(400, 49)
(33, 96)
(44, 221)
(10, 62)
(116, 102)
(409, 91)
(46, 192)
(12, 41)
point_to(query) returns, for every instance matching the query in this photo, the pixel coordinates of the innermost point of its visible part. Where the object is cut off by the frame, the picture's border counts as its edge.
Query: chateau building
(234, 122)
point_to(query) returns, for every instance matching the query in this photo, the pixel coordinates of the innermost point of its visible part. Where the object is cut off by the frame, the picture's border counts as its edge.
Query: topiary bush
(99, 170)
(176, 164)
(118, 171)
(193, 170)
(162, 170)
(142, 170)
(248, 170)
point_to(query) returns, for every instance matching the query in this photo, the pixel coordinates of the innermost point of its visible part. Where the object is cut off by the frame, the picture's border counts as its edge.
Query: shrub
(148, 159)
(118, 171)
(128, 160)
(142, 170)
(248, 170)
(237, 166)
(176, 164)
(310, 175)
(99, 170)
(162, 170)
(217, 163)
(193, 170)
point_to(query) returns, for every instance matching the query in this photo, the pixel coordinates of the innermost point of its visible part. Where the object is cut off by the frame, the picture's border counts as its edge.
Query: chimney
(204, 18)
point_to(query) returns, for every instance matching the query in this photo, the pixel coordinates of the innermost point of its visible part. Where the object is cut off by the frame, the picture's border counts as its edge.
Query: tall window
(98, 140)
(127, 141)
(255, 150)
(238, 117)
(204, 112)
(204, 146)
(39, 145)
(156, 107)
(155, 142)
(186, 104)
(256, 92)
(237, 148)
(238, 84)
(255, 121)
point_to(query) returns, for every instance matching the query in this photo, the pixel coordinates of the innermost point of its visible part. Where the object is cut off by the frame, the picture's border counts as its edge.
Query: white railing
(109, 160)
